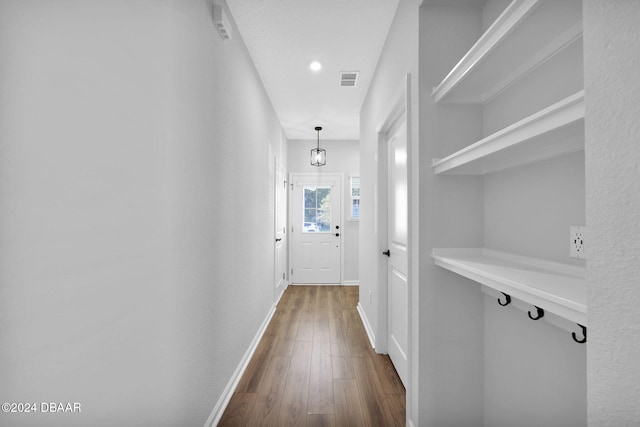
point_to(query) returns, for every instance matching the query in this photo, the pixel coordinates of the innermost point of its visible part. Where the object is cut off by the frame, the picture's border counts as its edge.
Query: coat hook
(539, 311)
(584, 334)
(507, 298)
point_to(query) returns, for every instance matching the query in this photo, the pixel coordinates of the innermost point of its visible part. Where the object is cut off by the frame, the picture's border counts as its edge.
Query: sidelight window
(355, 197)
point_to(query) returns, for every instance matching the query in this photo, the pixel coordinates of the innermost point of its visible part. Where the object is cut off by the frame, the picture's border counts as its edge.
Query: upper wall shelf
(558, 288)
(525, 35)
(556, 130)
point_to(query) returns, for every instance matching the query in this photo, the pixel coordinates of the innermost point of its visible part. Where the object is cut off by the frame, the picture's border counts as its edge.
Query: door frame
(400, 107)
(290, 216)
(280, 285)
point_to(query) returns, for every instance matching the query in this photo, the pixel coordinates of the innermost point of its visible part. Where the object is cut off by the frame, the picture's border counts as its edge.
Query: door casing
(400, 106)
(280, 230)
(397, 246)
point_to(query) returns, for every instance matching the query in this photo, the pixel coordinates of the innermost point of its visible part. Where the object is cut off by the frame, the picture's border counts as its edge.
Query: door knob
(337, 234)
(387, 253)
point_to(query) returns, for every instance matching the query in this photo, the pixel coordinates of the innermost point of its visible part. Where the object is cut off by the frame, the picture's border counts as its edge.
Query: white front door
(316, 228)
(280, 261)
(397, 228)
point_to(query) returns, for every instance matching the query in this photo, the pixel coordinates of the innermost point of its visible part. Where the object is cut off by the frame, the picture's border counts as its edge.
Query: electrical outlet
(577, 241)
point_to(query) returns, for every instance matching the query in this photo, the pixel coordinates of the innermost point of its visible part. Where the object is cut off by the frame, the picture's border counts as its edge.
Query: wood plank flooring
(315, 367)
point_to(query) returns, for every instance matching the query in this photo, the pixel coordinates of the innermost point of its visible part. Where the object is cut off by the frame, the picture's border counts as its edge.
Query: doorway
(315, 227)
(280, 230)
(395, 308)
(397, 248)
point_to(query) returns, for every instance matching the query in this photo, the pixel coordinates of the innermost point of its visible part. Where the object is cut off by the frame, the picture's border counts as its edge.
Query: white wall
(225, 134)
(85, 309)
(128, 130)
(342, 157)
(451, 212)
(398, 58)
(612, 43)
(514, 218)
(534, 373)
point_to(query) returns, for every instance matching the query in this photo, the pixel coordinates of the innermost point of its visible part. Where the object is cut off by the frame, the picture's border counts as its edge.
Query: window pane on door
(317, 209)
(310, 198)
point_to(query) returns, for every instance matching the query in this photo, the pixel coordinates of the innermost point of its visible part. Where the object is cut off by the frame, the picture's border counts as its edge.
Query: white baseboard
(367, 326)
(222, 403)
(351, 283)
(347, 283)
(284, 289)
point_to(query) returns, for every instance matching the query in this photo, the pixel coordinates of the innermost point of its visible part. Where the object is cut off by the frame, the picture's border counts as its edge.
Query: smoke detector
(221, 22)
(349, 78)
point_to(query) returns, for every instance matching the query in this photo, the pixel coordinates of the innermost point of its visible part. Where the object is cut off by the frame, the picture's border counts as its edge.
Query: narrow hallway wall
(612, 43)
(398, 58)
(85, 307)
(136, 210)
(225, 135)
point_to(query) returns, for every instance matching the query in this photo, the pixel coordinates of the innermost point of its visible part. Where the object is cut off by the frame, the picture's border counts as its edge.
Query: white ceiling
(284, 36)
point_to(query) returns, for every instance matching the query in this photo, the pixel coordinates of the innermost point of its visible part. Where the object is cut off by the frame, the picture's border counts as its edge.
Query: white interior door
(280, 261)
(316, 232)
(397, 228)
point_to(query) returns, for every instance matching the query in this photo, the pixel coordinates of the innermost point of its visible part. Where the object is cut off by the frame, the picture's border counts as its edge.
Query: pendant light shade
(318, 155)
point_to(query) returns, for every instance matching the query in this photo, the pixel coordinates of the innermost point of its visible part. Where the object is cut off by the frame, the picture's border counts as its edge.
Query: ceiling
(284, 36)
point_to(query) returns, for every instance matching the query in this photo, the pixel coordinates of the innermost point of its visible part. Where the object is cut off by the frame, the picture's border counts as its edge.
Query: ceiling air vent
(349, 78)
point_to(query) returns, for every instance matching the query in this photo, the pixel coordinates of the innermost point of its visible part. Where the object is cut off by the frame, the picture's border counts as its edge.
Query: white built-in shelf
(557, 288)
(554, 131)
(525, 35)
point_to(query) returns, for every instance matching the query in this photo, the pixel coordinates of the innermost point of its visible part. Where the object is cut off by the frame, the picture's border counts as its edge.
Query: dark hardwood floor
(315, 367)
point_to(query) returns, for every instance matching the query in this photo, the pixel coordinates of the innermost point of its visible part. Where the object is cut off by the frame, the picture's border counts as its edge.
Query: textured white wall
(136, 151)
(342, 157)
(612, 60)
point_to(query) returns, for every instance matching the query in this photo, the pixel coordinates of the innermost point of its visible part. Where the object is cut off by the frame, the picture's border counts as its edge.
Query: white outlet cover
(577, 241)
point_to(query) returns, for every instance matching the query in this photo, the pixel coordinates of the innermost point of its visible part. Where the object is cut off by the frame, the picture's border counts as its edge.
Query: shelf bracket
(507, 300)
(584, 335)
(540, 313)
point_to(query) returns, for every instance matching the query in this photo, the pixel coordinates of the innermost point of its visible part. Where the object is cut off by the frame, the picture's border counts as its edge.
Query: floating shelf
(558, 288)
(525, 35)
(556, 130)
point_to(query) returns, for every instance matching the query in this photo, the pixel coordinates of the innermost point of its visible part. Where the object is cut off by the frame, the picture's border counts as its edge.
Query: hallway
(314, 366)
(146, 226)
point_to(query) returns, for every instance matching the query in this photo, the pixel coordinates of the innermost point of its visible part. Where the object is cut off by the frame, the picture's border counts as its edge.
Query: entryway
(315, 227)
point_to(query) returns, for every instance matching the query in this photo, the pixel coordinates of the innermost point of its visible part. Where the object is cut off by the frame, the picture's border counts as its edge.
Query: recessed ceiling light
(315, 66)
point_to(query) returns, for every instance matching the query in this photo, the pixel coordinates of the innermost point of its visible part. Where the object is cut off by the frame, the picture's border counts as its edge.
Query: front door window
(317, 209)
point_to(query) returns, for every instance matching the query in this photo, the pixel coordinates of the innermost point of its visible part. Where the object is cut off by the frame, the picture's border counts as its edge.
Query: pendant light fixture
(318, 155)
